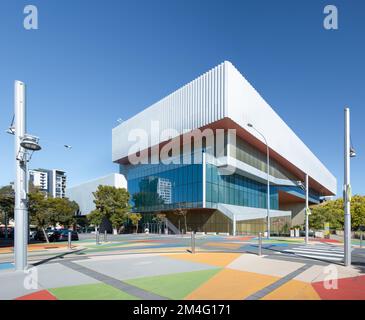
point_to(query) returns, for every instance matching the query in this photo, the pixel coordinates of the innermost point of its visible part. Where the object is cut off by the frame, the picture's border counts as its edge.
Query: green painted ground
(99, 291)
(174, 286)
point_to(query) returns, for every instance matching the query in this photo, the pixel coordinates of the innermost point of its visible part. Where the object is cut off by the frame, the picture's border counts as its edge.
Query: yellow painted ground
(36, 247)
(293, 290)
(215, 259)
(224, 245)
(5, 250)
(231, 284)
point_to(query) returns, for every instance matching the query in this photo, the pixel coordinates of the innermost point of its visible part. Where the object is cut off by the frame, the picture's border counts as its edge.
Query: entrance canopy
(247, 213)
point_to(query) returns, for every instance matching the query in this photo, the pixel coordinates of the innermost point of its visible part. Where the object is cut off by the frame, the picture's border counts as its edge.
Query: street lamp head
(29, 142)
(250, 125)
(352, 152)
(10, 130)
(67, 146)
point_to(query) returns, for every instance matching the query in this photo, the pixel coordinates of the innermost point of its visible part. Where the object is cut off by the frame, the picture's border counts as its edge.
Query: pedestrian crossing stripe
(318, 252)
(320, 257)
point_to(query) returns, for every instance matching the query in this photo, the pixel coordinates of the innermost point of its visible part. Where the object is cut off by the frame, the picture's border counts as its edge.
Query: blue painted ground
(6, 265)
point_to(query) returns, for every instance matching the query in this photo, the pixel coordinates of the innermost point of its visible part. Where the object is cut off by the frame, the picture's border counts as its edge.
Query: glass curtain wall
(237, 190)
(165, 187)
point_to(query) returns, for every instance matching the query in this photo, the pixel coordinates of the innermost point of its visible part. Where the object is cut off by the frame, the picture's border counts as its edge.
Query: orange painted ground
(39, 295)
(36, 247)
(294, 290)
(214, 259)
(231, 284)
(224, 245)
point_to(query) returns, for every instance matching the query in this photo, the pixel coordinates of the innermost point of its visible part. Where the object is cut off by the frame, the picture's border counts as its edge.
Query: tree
(7, 200)
(357, 212)
(135, 218)
(38, 211)
(182, 213)
(329, 211)
(113, 204)
(332, 211)
(95, 217)
(160, 218)
(61, 211)
(117, 219)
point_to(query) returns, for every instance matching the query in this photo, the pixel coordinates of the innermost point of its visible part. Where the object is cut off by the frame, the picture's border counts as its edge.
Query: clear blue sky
(92, 62)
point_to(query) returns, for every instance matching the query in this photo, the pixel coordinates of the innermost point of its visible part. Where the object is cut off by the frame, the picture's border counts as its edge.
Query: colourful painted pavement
(149, 268)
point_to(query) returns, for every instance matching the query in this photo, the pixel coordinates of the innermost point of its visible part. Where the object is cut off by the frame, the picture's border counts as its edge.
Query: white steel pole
(268, 189)
(306, 208)
(204, 165)
(20, 209)
(268, 178)
(234, 225)
(347, 190)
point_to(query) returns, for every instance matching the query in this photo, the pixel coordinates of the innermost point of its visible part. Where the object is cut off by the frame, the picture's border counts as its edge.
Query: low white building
(82, 194)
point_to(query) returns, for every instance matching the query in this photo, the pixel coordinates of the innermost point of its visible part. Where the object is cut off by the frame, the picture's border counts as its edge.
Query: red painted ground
(39, 295)
(325, 240)
(348, 289)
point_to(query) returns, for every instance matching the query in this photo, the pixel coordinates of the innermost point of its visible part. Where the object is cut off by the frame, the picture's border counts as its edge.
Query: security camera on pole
(25, 145)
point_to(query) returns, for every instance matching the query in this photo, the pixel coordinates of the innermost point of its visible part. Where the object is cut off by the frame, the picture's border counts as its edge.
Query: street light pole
(21, 212)
(306, 209)
(268, 177)
(347, 190)
(268, 187)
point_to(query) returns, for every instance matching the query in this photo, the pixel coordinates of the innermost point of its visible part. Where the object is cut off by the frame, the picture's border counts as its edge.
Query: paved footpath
(162, 268)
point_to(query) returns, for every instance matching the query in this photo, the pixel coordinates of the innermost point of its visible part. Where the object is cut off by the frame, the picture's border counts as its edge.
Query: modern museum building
(202, 152)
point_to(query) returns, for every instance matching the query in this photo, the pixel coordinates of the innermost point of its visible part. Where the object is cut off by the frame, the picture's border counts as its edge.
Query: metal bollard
(260, 244)
(361, 239)
(105, 236)
(192, 242)
(69, 239)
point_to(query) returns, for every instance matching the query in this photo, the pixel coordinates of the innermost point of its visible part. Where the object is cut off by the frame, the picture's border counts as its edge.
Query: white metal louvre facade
(222, 93)
(193, 106)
